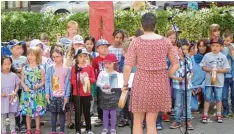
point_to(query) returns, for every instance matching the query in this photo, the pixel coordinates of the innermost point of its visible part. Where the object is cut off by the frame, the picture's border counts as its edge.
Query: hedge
(193, 24)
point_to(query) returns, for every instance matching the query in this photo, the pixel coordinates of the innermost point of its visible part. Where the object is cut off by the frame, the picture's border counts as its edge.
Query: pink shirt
(58, 81)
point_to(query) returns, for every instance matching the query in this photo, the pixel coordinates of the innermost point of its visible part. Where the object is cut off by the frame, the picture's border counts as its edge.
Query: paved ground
(211, 128)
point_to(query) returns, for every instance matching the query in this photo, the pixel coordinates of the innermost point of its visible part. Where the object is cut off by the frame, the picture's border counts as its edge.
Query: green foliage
(193, 24)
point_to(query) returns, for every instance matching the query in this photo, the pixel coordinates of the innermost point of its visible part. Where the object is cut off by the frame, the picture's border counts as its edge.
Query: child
(39, 44)
(58, 89)
(18, 61)
(45, 40)
(98, 66)
(90, 46)
(215, 64)
(125, 116)
(198, 78)
(72, 30)
(179, 86)
(32, 101)
(76, 44)
(108, 99)
(85, 75)
(50, 60)
(228, 82)
(116, 48)
(9, 99)
(214, 31)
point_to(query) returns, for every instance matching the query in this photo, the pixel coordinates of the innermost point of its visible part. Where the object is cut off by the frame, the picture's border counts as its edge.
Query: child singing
(32, 101)
(9, 99)
(108, 99)
(58, 89)
(82, 75)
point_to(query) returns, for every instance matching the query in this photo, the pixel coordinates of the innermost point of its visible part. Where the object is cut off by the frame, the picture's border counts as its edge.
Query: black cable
(185, 77)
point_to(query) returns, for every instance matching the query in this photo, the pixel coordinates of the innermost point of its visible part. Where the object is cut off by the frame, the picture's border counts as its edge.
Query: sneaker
(77, 133)
(23, 129)
(3, 133)
(71, 125)
(52, 132)
(37, 131)
(204, 119)
(159, 127)
(190, 126)
(83, 124)
(98, 124)
(98, 121)
(166, 117)
(29, 132)
(17, 129)
(112, 131)
(219, 119)
(104, 131)
(90, 132)
(13, 132)
(123, 123)
(175, 125)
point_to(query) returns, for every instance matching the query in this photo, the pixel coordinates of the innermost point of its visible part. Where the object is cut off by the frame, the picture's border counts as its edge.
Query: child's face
(41, 48)
(185, 49)
(193, 50)
(16, 50)
(227, 41)
(109, 65)
(118, 39)
(57, 58)
(89, 45)
(172, 38)
(202, 48)
(77, 46)
(72, 30)
(102, 49)
(31, 58)
(46, 42)
(6, 66)
(216, 33)
(82, 58)
(216, 48)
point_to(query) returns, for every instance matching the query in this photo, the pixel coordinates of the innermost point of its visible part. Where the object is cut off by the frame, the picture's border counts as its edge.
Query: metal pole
(29, 6)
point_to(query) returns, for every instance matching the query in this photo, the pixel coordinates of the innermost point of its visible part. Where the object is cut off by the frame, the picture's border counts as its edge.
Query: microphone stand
(185, 76)
(78, 70)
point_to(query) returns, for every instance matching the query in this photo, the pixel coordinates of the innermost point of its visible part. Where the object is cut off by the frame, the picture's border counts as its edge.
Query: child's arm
(26, 89)
(224, 70)
(40, 85)
(48, 82)
(68, 86)
(100, 80)
(73, 76)
(92, 76)
(206, 69)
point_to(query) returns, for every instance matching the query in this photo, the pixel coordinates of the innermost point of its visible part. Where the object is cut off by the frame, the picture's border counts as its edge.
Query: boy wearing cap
(18, 62)
(215, 64)
(98, 66)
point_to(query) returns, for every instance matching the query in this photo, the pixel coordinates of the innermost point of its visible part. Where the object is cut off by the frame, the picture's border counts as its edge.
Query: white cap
(35, 42)
(77, 39)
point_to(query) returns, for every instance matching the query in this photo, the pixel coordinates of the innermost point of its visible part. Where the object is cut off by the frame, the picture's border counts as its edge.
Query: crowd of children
(74, 73)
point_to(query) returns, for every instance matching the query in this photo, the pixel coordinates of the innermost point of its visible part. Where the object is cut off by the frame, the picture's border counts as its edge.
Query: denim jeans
(228, 83)
(180, 104)
(54, 121)
(159, 118)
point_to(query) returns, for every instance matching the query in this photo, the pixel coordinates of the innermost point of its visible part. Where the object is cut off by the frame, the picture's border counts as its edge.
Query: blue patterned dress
(33, 103)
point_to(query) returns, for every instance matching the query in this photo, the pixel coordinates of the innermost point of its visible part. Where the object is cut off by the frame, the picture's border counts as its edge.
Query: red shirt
(89, 70)
(98, 65)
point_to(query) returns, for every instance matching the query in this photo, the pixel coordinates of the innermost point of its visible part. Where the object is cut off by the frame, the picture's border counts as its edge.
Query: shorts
(213, 93)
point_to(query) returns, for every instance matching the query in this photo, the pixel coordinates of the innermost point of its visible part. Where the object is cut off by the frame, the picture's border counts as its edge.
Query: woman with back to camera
(150, 92)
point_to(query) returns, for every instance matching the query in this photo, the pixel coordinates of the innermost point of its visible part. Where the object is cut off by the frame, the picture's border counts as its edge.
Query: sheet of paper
(120, 80)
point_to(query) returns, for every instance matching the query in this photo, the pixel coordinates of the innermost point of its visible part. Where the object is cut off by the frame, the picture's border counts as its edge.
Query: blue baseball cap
(13, 43)
(102, 42)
